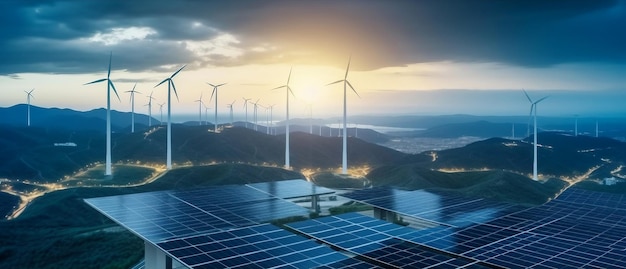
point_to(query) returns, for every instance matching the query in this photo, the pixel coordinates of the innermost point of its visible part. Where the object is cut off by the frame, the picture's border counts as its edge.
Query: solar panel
(438, 207)
(157, 216)
(294, 188)
(261, 246)
(377, 241)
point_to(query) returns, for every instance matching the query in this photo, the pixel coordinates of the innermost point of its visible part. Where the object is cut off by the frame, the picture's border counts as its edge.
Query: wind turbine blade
(279, 87)
(96, 81)
(114, 90)
(334, 82)
(211, 85)
(289, 89)
(529, 100)
(31, 91)
(540, 100)
(175, 73)
(221, 85)
(174, 88)
(212, 93)
(357, 94)
(289, 77)
(531, 111)
(162, 82)
(348, 68)
(110, 57)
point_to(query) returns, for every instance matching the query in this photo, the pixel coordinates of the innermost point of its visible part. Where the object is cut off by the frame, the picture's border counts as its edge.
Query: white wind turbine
(346, 83)
(245, 106)
(215, 93)
(170, 85)
(287, 91)
(270, 123)
(256, 106)
(200, 103)
(533, 110)
(132, 108)
(29, 94)
(206, 115)
(161, 109)
(150, 98)
(230, 107)
(107, 170)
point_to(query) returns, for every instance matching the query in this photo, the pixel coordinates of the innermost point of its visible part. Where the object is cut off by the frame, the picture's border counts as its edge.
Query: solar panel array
(294, 188)
(261, 246)
(578, 229)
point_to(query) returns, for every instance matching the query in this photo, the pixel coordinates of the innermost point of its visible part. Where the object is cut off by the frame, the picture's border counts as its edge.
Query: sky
(406, 56)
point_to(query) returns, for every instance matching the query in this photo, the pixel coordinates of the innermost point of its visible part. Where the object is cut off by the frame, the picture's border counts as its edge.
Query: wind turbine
(107, 170)
(256, 106)
(150, 98)
(200, 103)
(287, 91)
(29, 94)
(132, 108)
(533, 107)
(215, 92)
(345, 127)
(206, 114)
(271, 123)
(230, 107)
(576, 125)
(245, 105)
(161, 108)
(170, 85)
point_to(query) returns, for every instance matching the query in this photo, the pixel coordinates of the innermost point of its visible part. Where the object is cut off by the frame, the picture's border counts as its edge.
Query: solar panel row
(294, 188)
(377, 241)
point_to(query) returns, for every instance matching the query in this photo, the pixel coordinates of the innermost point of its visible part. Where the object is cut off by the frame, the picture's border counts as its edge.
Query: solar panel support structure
(384, 214)
(315, 203)
(156, 258)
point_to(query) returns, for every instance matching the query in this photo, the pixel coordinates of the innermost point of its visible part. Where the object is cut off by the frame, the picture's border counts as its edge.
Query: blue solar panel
(157, 216)
(262, 246)
(437, 207)
(376, 240)
(290, 188)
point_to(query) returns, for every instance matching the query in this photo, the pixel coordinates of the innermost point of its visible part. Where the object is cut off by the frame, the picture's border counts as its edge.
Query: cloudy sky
(407, 57)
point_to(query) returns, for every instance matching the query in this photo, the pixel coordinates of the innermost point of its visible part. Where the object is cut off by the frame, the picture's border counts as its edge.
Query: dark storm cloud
(41, 36)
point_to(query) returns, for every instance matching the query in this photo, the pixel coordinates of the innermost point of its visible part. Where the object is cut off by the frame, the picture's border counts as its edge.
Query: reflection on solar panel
(579, 229)
(156, 216)
(262, 246)
(290, 188)
(378, 241)
(438, 207)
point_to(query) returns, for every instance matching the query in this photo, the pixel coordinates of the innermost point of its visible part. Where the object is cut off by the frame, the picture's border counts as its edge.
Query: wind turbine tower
(597, 131)
(170, 85)
(200, 103)
(256, 106)
(287, 91)
(150, 98)
(346, 83)
(132, 108)
(230, 107)
(533, 109)
(215, 93)
(107, 170)
(161, 108)
(245, 106)
(206, 115)
(29, 94)
(576, 125)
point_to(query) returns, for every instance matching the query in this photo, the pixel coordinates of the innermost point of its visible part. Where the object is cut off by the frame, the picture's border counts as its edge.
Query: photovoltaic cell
(262, 246)
(294, 188)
